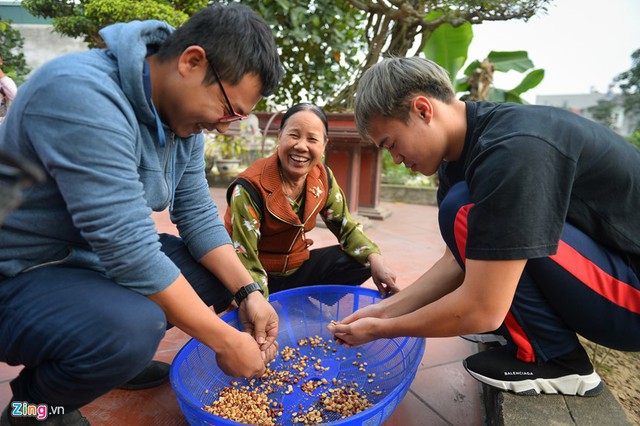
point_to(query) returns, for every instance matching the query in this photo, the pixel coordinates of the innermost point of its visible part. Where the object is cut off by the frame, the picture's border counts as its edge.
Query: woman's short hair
(386, 88)
(306, 106)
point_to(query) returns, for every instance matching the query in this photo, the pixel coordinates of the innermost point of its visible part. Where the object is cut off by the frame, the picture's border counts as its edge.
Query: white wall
(41, 44)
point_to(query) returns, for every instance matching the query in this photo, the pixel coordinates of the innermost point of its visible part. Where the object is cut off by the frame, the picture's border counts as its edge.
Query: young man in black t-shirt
(539, 210)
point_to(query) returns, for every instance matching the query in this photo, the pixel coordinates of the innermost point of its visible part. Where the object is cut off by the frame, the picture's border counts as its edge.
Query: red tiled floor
(450, 391)
(444, 350)
(441, 394)
(413, 412)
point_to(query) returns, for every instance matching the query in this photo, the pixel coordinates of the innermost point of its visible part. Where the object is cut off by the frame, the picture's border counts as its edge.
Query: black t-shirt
(531, 168)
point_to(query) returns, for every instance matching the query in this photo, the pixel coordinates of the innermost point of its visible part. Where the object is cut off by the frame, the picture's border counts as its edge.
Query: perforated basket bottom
(305, 313)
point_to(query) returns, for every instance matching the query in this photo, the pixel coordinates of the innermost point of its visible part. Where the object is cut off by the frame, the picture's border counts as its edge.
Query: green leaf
(513, 97)
(11, 43)
(530, 81)
(507, 61)
(448, 46)
(496, 95)
(284, 4)
(472, 67)
(298, 15)
(462, 85)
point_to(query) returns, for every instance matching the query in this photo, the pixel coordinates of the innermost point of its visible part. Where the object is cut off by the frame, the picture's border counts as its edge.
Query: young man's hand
(359, 327)
(357, 333)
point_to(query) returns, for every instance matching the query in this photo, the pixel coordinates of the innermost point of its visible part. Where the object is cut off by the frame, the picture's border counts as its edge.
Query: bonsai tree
(404, 27)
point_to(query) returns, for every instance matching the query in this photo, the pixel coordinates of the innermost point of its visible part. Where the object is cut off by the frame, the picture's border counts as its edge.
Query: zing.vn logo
(39, 411)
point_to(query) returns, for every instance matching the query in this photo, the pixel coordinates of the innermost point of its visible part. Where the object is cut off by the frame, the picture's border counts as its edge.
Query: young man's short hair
(385, 89)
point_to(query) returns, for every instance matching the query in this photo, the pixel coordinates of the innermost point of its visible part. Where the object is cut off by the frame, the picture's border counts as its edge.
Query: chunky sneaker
(490, 339)
(571, 374)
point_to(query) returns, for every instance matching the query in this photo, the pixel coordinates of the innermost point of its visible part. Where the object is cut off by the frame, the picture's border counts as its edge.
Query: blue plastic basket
(305, 312)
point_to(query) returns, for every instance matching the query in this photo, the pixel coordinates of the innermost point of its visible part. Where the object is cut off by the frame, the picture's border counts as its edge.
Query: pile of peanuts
(250, 407)
(345, 400)
(250, 403)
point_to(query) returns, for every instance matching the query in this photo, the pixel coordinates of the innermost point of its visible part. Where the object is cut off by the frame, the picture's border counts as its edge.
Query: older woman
(275, 203)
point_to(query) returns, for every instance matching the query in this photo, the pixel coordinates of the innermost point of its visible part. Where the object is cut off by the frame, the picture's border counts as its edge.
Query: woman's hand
(259, 319)
(383, 277)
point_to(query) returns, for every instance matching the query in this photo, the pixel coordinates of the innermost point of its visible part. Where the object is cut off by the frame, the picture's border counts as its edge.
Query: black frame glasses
(234, 116)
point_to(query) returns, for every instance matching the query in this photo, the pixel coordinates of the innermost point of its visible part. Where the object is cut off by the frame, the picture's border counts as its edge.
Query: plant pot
(228, 166)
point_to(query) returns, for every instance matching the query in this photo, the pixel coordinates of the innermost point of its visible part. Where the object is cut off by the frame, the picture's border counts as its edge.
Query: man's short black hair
(236, 40)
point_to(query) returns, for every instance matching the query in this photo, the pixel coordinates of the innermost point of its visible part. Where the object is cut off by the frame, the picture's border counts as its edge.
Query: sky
(581, 44)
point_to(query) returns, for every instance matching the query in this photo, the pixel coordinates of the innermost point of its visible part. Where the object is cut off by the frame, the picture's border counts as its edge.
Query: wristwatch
(246, 290)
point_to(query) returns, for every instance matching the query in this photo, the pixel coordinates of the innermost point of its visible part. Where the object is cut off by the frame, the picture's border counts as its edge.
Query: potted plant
(210, 151)
(230, 149)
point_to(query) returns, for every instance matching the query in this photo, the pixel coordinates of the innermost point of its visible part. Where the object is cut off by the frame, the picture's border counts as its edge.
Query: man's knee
(131, 337)
(143, 328)
(452, 219)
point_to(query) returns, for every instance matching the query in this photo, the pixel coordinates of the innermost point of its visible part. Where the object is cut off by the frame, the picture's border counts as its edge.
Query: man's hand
(259, 319)
(383, 277)
(240, 356)
(271, 353)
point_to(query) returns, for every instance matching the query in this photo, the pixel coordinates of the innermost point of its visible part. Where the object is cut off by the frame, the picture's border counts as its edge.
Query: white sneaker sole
(573, 384)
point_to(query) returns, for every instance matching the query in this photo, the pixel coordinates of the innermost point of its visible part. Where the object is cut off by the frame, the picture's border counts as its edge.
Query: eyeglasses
(234, 116)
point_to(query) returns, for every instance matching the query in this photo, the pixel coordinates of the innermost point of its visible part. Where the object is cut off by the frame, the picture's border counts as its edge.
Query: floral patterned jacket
(245, 215)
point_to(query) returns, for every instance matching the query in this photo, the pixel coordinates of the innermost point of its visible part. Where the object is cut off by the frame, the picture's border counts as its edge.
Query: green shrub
(398, 174)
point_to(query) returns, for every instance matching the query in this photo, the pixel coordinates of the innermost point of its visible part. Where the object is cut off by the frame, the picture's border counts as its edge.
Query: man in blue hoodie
(87, 287)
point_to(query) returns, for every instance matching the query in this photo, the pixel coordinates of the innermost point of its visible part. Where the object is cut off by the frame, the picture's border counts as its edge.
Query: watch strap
(246, 290)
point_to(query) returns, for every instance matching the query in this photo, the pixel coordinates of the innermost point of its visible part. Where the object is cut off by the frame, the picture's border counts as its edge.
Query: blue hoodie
(85, 119)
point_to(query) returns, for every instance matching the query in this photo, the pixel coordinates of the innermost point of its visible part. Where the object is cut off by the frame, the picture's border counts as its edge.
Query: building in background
(582, 104)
